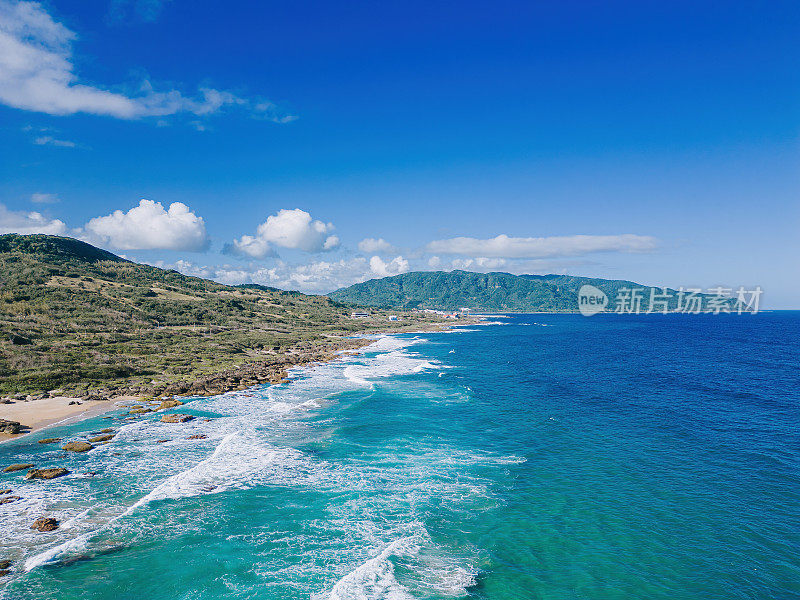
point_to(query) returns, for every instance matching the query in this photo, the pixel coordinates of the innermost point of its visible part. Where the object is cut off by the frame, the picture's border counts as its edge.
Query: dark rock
(6, 491)
(45, 524)
(49, 440)
(9, 426)
(197, 436)
(46, 473)
(107, 430)
(101, 438)
(161, 441)
(7, 499)
(77, 447)
(17, 467)
(4, 564)
(4, 572)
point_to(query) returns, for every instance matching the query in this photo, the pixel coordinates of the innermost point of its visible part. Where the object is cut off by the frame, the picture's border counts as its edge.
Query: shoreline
(38, 415)
(42, 414)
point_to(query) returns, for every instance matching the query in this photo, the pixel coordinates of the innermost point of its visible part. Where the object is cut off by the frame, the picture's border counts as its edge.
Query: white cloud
(148, 226)
(271, 112)
(223, 274)
(294, 229)
(49, 140)
(372, 245)
(248, 245)
(514, 247)
(317, 277)
(40, 198)
(29, 222)
(37, 73)
(381, 268)
(434, 262)
(480, 263)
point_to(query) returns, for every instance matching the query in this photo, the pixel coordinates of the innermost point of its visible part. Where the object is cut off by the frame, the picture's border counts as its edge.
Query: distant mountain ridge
(502, 292)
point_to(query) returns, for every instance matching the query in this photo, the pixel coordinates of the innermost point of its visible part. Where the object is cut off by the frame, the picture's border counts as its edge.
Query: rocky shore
(39, 412)
(271, 369)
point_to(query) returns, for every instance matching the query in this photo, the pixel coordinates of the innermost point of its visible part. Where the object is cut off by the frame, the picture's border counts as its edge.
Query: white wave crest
(374, 579)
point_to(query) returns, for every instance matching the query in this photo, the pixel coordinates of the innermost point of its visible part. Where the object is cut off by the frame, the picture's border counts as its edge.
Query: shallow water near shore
(539, 456)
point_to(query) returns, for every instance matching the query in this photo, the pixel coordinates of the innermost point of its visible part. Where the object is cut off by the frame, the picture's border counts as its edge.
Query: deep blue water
(543, 456)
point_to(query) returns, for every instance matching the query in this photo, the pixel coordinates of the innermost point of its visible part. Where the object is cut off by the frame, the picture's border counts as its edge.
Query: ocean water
(534, 456)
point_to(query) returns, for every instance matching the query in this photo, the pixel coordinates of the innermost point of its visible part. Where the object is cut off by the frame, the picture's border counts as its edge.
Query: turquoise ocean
(532, 456)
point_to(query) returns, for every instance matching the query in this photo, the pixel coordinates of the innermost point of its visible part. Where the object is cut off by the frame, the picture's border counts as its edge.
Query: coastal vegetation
(80, 321)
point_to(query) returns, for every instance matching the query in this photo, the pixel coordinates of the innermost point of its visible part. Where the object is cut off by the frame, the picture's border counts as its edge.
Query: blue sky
(656, 142)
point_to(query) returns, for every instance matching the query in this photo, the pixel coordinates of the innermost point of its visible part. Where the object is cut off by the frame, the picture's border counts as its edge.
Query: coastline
(309, 361)
(38, 415)
(41, 414)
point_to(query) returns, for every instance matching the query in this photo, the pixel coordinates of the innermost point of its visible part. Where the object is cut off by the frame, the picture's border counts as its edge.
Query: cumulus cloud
(37, 73)
(504, 246)
(382, 268)
(294, 229)
(40, 198)
(372, 245)
(29, 222)
(148, 226)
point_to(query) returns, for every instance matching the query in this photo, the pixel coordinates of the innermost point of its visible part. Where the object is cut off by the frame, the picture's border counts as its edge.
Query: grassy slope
(94, 320)
(480, 291)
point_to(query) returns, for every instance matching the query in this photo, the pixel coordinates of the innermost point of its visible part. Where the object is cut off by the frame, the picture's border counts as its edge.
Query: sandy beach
(36, 415)
(40, 414)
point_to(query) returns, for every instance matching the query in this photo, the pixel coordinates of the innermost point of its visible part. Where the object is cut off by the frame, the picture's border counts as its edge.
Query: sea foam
(238, 454)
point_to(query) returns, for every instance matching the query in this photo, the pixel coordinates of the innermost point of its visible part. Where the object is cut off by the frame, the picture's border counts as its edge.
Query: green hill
(501, 292)
(81, 319)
